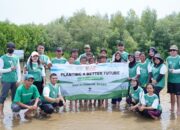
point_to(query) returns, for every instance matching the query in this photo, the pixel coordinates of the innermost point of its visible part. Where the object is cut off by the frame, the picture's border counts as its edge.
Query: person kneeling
(135, 96)
(26, 97)
(150, 106)
(51, 98)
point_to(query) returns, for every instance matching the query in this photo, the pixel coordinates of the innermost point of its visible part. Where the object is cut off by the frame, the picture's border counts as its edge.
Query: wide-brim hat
(158, 56)
(173, 47)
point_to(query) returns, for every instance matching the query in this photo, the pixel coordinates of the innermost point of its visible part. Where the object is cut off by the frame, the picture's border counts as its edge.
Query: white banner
(96, 81)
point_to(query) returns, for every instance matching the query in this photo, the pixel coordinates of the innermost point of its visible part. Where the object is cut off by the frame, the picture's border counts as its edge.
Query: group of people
(146, 79)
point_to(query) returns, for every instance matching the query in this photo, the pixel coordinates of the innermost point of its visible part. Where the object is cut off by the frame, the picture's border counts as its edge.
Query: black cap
(153, 49)
(103, 49)
(10, 45)
(119, 43)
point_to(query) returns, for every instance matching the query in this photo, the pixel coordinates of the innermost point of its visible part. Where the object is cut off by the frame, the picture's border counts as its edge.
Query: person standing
(35, 68)
(137, 56)
(44, 59)
(134, 69)
(75, 54)
(143, 79)
(59, 59)
(121, 49)
(173, 63)
(87, 50)
(157, 74)
(118, 59)
(10, 79)
(151, 53)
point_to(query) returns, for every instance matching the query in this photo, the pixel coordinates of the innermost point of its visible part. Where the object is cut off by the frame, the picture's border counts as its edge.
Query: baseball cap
(59, 49)
(28, 76)
(87, 46)
(10, 45)
(34, 53)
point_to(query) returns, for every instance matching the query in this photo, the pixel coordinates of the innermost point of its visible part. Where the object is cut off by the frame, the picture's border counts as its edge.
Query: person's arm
(49, 64)
(18, 69)
(175, 71)
(46, 92)
(138, 72)
(61, 97)
(141, 101)
(35, 106)
(51, 100)
(43, 74)
(154, 106)
(141, 98)
(24, 105)
(113, 57)
(150, 77)
(161, 75)
(17, 99)
(36, 96)
(5, 70)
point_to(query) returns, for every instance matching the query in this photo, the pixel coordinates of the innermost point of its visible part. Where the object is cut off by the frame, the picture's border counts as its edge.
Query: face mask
(10, 50)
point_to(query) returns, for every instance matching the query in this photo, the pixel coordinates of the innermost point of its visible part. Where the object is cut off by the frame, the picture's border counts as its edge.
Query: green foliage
(138, 33)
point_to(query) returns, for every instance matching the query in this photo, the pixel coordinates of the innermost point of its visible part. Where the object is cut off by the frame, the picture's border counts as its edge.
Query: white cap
(34, 53)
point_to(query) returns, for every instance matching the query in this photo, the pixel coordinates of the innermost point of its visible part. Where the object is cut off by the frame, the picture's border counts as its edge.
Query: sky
(45, 11)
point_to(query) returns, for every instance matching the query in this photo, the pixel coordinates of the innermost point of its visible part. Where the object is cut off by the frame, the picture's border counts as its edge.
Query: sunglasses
(172, 50)
(58, 50)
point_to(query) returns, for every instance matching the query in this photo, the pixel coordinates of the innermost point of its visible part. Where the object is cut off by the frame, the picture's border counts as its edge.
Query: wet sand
(94, 118)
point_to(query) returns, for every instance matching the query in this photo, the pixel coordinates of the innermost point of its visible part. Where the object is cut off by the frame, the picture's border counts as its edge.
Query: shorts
(173, 88)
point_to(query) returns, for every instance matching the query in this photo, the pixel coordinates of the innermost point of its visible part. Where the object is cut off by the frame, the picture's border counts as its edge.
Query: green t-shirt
(76, 62)
(84, 54)
(137, 94)
(25, 95)
(61, 60)
(149, 101)
(143, 79)
(9, 61)
(44, 58)
(36, 71)
(173, 63)
(124, 56)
